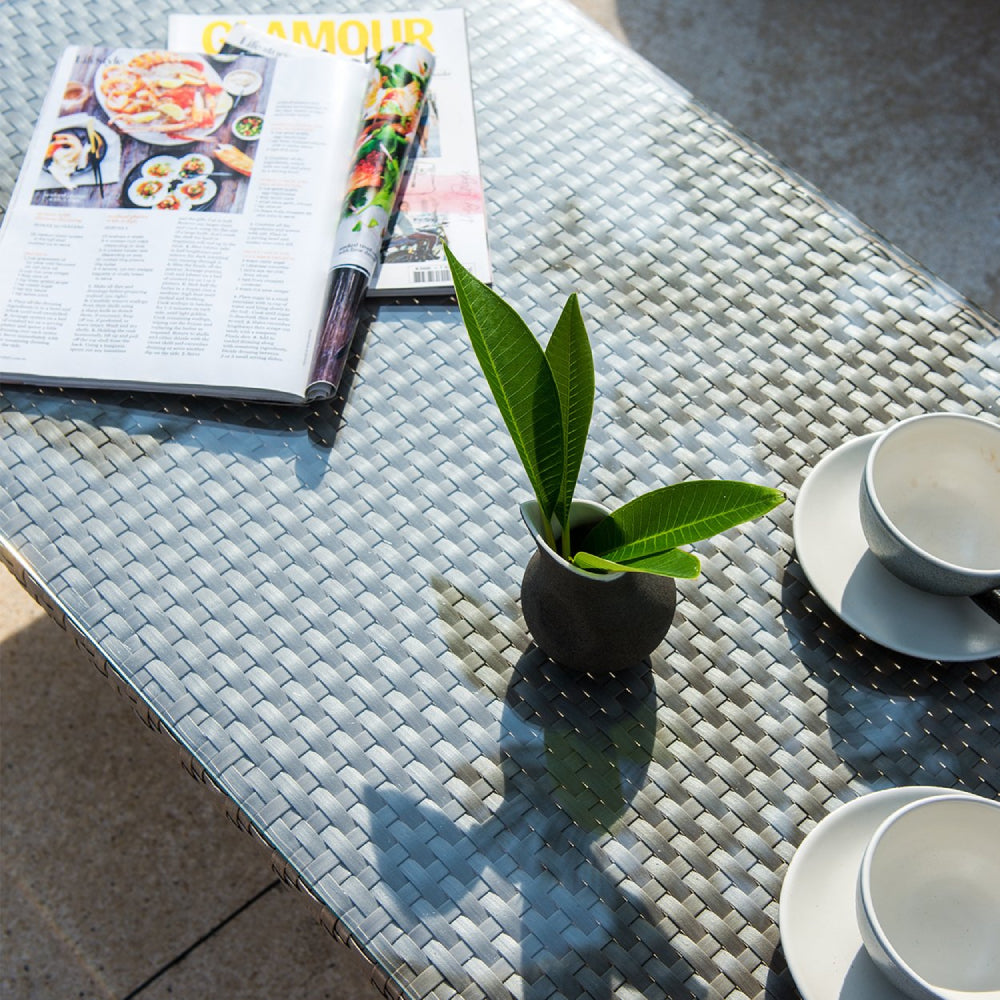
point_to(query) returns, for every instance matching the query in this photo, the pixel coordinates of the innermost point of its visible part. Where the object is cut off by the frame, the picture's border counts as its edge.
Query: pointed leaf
(674, 562)
(572, 363)
(678, 515)
(519, 376)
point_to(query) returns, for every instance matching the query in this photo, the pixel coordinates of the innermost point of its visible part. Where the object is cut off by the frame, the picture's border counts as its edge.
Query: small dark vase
(594, 622)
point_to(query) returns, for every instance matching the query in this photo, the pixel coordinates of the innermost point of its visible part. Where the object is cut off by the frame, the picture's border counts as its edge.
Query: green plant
(546, 399)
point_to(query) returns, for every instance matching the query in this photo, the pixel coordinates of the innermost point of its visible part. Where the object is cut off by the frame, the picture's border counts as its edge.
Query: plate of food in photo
(171, 203)
(161, 98)
(144, 192)
(159, 167)
(171, 183)
(242, 82)
(81, 150)
(195, 165)
(198, 191)
(70, 155)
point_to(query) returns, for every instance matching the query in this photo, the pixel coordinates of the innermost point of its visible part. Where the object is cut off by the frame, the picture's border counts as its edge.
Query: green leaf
(572, 364)
(673, 562)
(521, 381)
(678, 515)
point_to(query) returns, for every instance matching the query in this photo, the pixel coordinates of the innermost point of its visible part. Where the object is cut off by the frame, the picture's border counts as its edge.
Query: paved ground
(892, 108)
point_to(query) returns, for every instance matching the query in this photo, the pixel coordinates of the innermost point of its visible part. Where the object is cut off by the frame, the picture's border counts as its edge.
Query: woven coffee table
(321, 605)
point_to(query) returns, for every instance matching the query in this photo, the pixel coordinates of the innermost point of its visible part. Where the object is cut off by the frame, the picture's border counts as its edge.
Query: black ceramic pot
(594, 622)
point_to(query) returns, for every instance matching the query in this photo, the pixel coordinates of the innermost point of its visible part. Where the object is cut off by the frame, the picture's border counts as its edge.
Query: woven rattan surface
(321, 605)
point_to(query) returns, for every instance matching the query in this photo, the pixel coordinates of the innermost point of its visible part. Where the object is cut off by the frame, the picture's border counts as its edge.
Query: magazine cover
(442, 195)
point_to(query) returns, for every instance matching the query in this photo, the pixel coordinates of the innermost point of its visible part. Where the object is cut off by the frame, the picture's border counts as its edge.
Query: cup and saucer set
(897, 893)
(951, 453)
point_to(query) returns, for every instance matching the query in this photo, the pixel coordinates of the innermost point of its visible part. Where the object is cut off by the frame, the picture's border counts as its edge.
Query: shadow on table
(174, 416)
(108, 427)
(140, 421)
(531, 874)
(780, 985)
(895, 719)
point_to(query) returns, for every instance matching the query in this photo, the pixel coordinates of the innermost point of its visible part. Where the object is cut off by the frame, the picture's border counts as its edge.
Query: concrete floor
(892, 108)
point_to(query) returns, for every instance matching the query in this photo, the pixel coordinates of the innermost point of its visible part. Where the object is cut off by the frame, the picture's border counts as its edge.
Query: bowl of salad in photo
(248, 126)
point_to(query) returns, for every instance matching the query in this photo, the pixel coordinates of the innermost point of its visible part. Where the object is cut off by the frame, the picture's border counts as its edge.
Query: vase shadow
(598, 733)
(533, 867)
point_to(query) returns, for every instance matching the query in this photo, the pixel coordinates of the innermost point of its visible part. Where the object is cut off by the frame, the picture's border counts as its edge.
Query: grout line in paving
(208, 934)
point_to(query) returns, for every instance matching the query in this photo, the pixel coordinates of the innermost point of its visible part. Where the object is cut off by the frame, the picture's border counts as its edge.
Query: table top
(321, 604)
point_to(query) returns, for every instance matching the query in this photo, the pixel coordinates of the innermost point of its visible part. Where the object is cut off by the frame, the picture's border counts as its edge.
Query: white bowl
(930, 502)
(928, 898)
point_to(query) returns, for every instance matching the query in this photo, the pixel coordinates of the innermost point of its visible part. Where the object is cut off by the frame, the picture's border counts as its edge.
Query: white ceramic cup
(930, 502)
(928, 898)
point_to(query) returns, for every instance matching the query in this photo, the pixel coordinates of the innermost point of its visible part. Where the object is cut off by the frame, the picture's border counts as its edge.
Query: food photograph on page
(155, 130)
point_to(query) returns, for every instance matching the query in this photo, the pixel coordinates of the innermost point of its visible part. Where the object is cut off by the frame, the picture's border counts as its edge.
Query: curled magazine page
(394, 107)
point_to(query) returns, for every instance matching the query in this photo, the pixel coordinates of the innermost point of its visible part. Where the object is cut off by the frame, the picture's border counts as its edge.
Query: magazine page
(443, 194)
(173, 220)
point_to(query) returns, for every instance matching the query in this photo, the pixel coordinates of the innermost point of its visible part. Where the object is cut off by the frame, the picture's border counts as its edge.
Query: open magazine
(177, 217)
